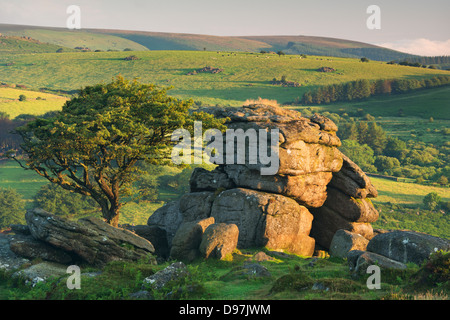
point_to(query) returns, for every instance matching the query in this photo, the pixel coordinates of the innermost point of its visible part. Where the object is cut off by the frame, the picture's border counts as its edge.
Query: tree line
(368, 145)
(429, 60)
(362, 89)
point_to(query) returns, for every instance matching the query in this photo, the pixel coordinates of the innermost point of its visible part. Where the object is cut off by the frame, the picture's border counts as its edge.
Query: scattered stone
(326, 69)
(255, 270)
(207, 69)
(247, 271)
(173, 272)
(41, 272)
(260, 256)
(320, 286)
(141, 295)
(131, 58)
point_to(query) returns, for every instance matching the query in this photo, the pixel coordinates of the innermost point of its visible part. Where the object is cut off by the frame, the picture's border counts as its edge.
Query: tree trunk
(111, 215)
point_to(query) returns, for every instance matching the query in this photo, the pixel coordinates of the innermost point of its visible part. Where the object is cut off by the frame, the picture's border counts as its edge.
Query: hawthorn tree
(92, 146)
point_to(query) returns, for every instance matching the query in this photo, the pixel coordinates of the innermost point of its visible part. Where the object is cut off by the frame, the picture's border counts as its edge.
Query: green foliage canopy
(12, 207)
(431, 200)
(91, 146)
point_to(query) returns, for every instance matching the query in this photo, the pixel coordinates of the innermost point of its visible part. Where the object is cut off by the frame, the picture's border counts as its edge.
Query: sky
(412, 26)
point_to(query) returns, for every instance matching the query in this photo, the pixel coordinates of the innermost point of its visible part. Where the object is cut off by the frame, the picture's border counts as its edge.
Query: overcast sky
(415, 26)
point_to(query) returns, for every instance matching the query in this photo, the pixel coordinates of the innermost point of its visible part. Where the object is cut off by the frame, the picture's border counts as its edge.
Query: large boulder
(351, 209)
(345, 241)
(91, 240)
(309, 189)
(219, 240)
(156, 236)
(168, 218)
(359, 261)
(272, 209)
(352, 181)
(186, 243)
(204, 180)
(196, 205)
(327, 222)
(347, 205)
(190, 207)
(265, 220)
(28, 247)
(304, 145)
(407, 246)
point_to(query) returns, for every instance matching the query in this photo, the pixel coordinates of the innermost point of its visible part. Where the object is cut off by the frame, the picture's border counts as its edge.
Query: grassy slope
(10, 104)
(77, 38)
(405, 193)
(11, 45)
(245, 75)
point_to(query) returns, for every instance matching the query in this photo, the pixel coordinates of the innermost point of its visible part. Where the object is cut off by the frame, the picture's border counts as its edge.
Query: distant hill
(16, 45)
(103, 39)
(72, 38)
(333, 47)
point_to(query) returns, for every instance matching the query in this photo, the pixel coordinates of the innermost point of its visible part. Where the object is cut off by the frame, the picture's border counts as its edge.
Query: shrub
(56, 200)
(22, 97)
(12, 208)
(431, 200)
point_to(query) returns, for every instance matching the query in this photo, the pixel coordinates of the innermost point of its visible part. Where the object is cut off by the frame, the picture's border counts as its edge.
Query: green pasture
(36, 103)
(245, 75)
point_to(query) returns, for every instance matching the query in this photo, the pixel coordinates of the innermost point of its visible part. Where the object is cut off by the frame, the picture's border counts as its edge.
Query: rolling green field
(245, 75)
(36, 103)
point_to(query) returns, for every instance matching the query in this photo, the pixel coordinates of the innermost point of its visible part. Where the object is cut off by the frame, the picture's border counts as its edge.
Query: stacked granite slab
(347, 207)
(275, 210)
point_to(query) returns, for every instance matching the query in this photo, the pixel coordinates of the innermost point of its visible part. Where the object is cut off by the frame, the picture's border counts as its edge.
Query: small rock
(319, 286)
(366, 259)
(158, 280)
(141, 295)
(260, 256)
(41, 272)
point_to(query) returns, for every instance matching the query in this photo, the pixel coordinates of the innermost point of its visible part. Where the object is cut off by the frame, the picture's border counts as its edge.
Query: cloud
(423, 47)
